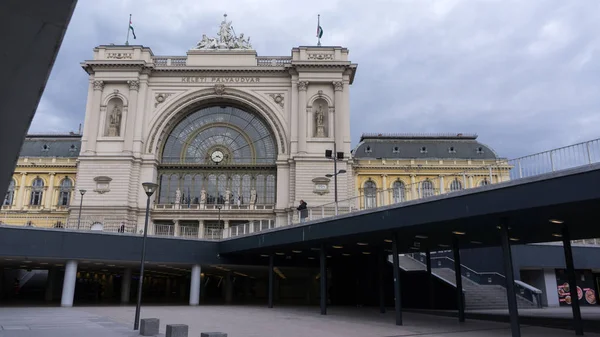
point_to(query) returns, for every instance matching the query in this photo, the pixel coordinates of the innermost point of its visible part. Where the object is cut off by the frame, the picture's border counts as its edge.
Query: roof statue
(227, 39)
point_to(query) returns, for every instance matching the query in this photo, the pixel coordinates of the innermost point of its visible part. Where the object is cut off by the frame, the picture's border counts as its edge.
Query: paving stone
(149, 326)
(177, 330)
(213, 334)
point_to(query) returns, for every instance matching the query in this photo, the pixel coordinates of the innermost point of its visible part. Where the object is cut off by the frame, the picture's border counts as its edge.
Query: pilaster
(21, 192)
(302, 86)
(49, 192)
(134, 86)
(339, 115)
(94, 113)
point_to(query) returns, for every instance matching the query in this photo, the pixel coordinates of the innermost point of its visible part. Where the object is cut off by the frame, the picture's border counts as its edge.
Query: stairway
(476, 296)
(482, 296)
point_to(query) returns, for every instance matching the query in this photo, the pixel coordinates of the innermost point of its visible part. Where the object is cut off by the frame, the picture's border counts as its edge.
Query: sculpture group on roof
(227, 39)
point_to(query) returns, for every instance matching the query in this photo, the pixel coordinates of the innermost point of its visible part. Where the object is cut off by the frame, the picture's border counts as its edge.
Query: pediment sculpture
(226, 39)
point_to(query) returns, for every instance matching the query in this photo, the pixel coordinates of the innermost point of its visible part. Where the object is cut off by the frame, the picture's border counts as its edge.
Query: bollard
(149, 326)
(213, 334)
(177, 330)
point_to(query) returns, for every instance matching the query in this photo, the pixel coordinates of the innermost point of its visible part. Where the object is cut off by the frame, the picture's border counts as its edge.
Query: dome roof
(422, 146)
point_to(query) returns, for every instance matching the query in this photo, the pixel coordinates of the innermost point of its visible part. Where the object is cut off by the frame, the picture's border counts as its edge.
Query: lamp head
(341, 171)
(329, 175)
(82, 192)
(150, 188)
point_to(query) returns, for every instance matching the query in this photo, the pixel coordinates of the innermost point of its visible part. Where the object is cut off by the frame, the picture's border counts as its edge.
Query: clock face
(217, 156)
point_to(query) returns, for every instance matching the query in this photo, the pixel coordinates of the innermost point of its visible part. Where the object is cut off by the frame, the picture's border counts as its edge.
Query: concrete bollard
(149, 326)
(213, 334)
(177, 330)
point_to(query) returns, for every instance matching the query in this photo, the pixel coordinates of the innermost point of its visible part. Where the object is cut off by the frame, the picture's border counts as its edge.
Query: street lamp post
(149, 188)
(335, 156)
(80, 206)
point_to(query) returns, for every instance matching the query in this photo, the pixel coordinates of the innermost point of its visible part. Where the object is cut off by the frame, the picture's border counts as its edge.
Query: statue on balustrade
(252, 197)
(227, 39)
(178, 196)
(203, 197)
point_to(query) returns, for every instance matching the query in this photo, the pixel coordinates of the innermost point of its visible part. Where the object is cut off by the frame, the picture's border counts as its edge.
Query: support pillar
(49, 294)
(68, 290)
(577, 323)
(513, 311)
(397, 289)
(195, 285)
(323, 279)
(381, 271)
(459, 288)
(271, 281)
(125, 285)
(429, 279)
(229, 288)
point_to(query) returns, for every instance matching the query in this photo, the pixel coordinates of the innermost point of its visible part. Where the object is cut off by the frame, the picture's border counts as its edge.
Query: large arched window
(10, 194)
(220, 155)
(370, 190)
(220, 135)
(455, 185)
(399, 191)
(64, 196)
(427, 189)
(484, 182)
(37, 192)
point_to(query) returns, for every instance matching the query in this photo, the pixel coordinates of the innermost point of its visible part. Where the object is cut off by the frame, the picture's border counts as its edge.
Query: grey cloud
(521, 74)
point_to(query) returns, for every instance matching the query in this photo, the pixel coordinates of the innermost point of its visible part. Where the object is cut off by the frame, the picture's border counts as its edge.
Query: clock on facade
(217, 156)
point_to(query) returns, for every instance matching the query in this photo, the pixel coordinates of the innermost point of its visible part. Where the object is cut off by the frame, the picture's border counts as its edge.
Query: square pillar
(510, 280)
(577, 323)
(69, 284)
(459, 288)
(397, 284)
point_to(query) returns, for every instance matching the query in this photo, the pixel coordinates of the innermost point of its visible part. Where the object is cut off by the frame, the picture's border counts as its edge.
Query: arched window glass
(484, 182)
(260, 189)
(64, 196)
(427, 189)
(246, 189)
(173, 186)
(270, 189)
(399, 192)
(455, 185)
(236, 190)
(10, 194)
(37, 192)
(370, 194)
(211, 189)
(222, 189)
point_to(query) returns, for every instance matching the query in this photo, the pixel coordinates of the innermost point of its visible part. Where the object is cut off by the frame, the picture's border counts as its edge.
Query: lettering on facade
(207, 79)
(119, 56)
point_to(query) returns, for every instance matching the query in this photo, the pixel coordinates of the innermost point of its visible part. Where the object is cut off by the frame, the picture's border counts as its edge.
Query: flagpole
(128, 29)
(318, 25)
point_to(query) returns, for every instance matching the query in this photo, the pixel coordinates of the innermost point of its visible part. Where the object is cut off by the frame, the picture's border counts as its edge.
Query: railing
(249, 227)
(213, 206)
(525, 290)
(170, 61)
(273, 61)
(181, 61)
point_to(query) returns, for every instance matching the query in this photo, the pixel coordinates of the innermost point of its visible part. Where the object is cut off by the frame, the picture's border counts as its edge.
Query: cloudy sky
(522, 74)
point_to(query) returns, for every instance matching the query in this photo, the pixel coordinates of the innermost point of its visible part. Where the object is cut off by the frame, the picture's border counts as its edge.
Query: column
(429, 279)
(49, 193)
(94, 116)
(459, 288)
(381, 272)
(271, 281)
(128, 132)
(470, 181)
(397, 289)
(229, 288)
(413, 186)
(338, 88)
(566, 236)
(442, 185)
(140, 123)
(195, 285)
(302, 86)
(176, 228)
(20, 196)
(125, 285)
(384, 190)
(294, 118)
(225, 223)
(323, 279)
(200, 229)
(49, 294)
(513, 311)
(68, 290)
